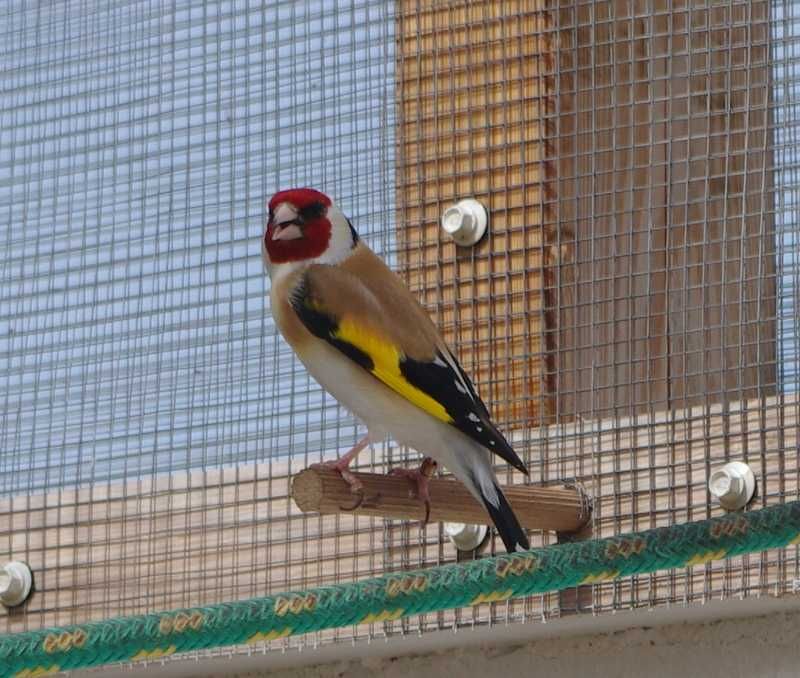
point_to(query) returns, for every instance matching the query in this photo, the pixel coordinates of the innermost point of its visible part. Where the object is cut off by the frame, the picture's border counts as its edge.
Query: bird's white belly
(381, 409)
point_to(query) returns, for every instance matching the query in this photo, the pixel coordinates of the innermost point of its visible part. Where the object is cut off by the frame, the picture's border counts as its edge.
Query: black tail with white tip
(506, 522)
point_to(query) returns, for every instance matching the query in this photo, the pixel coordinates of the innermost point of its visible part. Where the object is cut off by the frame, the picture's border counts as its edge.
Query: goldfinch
(366, 340)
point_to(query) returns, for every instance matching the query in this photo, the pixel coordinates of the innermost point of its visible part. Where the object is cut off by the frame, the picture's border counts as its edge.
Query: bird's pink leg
(419, 477)
(342, 466)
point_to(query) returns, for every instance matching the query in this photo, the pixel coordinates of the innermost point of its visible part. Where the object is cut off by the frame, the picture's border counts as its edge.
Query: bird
(366, 340)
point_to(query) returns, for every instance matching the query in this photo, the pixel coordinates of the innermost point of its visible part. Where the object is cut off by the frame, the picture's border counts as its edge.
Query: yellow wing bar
(386, 366)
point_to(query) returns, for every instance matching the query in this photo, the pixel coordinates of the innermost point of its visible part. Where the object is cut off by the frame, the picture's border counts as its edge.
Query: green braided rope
(392, 596)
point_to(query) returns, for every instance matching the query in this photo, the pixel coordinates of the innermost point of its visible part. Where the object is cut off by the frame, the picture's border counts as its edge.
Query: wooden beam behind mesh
(661, 172)
(471, 89)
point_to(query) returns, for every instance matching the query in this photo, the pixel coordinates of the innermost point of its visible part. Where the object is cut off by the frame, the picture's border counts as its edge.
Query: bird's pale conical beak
(287, 232)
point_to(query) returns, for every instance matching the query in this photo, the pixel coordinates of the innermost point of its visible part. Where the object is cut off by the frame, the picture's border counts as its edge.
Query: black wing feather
(446, 382)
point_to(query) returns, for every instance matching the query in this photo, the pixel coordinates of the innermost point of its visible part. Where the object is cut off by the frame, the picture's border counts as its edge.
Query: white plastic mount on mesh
(733, 485)
(465, 222)
(466, 537)
(16, 581)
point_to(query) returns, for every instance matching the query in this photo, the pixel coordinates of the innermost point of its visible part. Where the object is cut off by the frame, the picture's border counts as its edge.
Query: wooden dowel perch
(322, 490)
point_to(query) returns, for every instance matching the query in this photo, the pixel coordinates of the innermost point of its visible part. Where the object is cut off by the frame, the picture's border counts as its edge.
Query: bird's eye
(312, 211)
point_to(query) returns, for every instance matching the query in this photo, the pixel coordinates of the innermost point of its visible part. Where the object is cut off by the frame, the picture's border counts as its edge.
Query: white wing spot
(473, 417)
(460, 383)
(479, 428)
(491, 442)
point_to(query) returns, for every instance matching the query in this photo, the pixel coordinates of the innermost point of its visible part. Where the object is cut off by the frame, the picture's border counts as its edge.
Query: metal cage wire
(640, 159)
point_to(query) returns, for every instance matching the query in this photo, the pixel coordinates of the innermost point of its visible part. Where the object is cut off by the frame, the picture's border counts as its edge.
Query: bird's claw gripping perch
(342, 466)
(356, 486)
(362, 501)
(419, 477)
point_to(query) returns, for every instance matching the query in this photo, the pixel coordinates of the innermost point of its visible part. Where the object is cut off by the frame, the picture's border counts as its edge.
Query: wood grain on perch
(322, 490)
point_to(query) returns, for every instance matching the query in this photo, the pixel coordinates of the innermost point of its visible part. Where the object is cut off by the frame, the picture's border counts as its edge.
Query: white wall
(761, 646)
(754, 637)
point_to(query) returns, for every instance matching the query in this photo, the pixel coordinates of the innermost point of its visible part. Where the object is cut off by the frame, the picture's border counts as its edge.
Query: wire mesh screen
(139, 148)
(139, 144)
(631, 318)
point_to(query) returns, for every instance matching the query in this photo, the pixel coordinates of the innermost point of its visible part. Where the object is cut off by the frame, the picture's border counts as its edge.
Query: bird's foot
(419, 477)
(342, 467)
